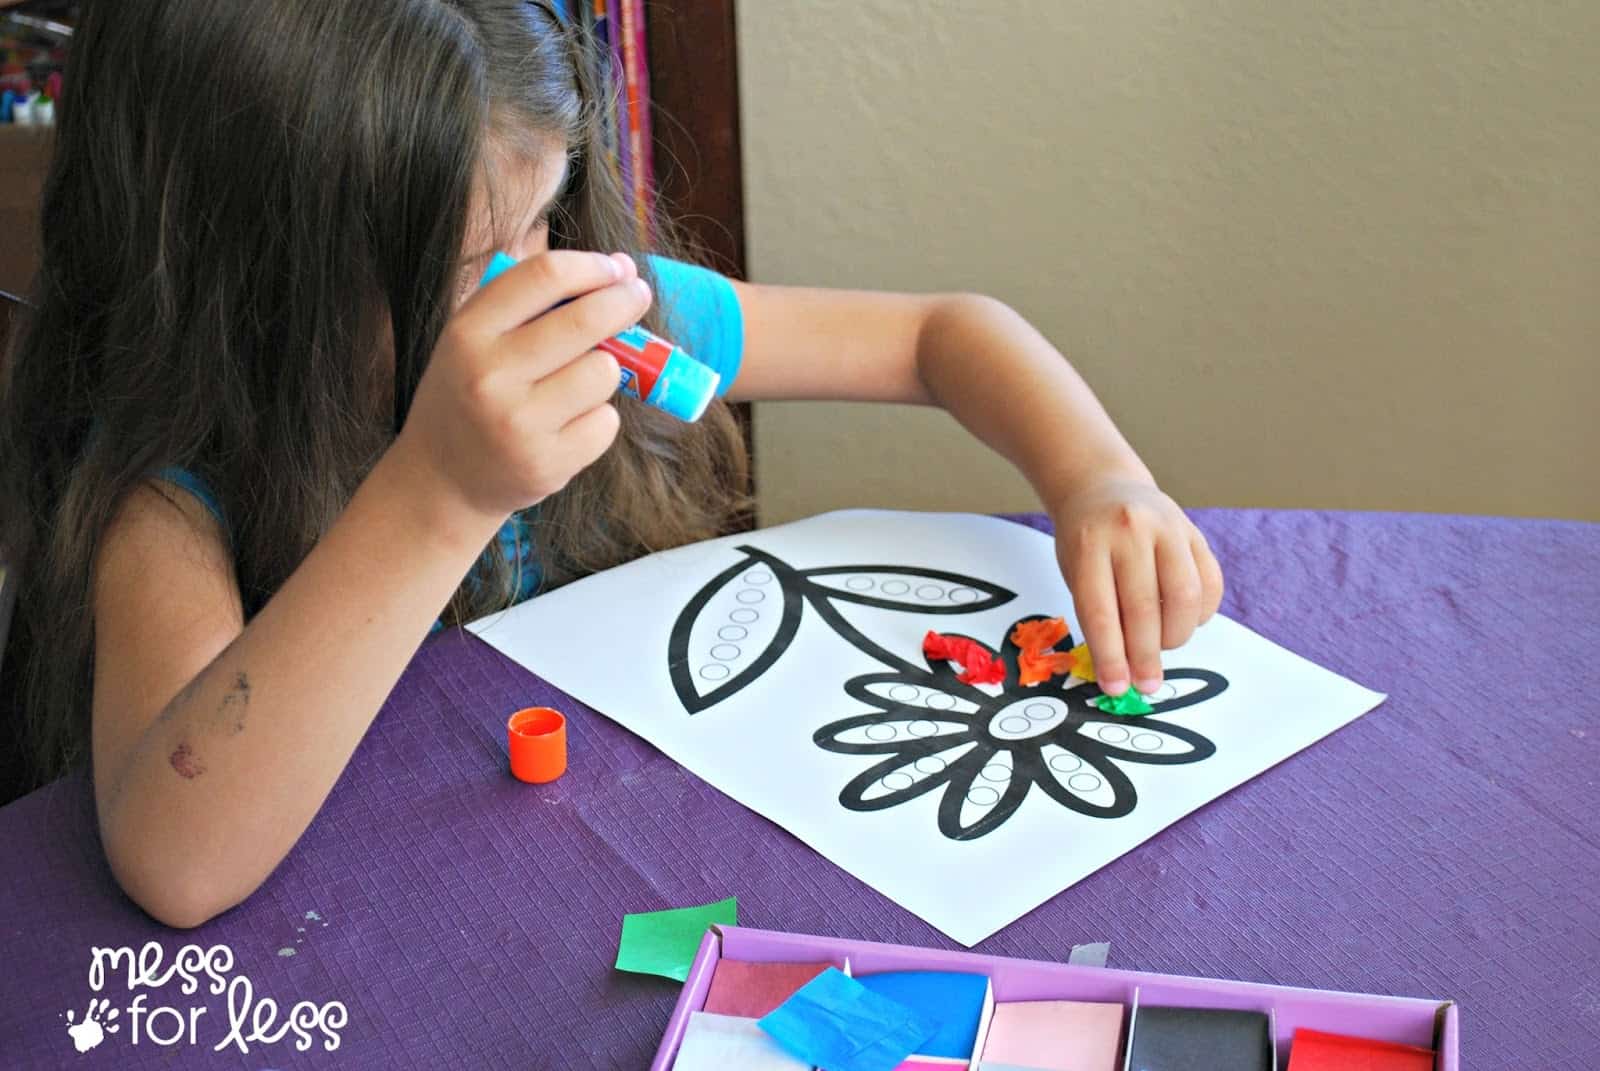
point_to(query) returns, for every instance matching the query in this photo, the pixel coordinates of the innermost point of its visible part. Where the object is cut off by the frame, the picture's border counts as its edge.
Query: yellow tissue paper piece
(1082, 662)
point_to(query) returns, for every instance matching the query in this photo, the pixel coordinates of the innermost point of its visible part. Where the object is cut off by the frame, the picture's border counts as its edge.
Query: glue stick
(653, 370)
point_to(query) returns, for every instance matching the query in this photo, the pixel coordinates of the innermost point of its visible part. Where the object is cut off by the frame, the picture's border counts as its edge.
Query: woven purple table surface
(1444, 845)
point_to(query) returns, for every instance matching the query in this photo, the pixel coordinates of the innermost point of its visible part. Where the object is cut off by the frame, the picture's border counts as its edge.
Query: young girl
(263, 430)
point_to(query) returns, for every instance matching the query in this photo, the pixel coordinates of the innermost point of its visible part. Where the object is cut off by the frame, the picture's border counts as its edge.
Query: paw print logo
(99, 1019)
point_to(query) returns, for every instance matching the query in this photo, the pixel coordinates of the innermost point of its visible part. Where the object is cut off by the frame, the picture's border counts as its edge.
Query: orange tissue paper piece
(1036, 667)
(1039, 635)
(1036, 662)
(978, 666)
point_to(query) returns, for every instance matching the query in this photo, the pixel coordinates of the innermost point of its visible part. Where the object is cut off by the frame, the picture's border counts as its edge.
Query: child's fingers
(1139, 598)
(534, 287)
(576, 387)
(1180, 591)
(566, 422)
(577, 327)
(1210, 576)
(1094, 591)
(588, 435)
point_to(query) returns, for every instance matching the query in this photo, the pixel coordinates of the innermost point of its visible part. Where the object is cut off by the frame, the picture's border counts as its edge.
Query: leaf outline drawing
(809, 587)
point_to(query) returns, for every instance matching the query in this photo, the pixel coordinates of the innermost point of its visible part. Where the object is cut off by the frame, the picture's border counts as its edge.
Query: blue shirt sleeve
(195, 486)
(702, 316)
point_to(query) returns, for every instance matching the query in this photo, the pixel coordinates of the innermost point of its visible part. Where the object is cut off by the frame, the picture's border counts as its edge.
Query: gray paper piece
(1090, 955)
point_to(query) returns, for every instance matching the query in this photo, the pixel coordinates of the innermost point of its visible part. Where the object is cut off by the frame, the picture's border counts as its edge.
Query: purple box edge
(692, 998)
(1409, 1020)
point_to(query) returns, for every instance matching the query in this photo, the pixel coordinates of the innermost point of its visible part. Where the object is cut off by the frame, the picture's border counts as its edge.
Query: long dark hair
(246, 200)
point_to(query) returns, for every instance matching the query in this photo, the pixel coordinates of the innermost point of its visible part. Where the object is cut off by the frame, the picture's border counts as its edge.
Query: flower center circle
(1025, 719)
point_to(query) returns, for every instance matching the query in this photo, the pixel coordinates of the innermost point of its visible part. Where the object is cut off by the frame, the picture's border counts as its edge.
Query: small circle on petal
(1084, 782)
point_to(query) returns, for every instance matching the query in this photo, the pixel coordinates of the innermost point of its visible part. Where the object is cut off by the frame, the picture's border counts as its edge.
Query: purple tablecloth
(1442, 846)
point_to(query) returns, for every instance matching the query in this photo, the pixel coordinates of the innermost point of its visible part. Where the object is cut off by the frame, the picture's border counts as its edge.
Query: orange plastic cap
(538, 740)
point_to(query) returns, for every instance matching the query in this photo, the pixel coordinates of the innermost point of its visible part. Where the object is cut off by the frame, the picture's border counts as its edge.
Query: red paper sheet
(753, 990)
(1312, 1050)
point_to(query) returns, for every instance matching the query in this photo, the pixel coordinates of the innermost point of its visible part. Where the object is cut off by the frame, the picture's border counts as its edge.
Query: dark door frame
(694, 94)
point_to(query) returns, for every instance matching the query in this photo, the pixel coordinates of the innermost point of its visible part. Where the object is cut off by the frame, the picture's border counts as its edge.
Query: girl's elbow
(975, 307)
(179, 913)
(174, 900)
(183, 905)
(179, 894)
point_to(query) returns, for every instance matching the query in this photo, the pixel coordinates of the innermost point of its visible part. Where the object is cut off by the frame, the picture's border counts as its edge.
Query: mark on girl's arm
(186, 762)
(235, 705)
(180, 700)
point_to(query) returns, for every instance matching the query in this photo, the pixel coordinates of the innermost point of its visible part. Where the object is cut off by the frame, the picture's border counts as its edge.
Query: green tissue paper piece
(1128, 703)
(665, 942)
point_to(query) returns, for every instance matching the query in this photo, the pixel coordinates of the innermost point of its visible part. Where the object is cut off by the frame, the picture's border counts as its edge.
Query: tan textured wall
(1310, 253)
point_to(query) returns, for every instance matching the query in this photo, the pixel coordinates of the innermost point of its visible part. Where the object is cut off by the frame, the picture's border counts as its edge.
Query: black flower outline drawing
(935, 731)
(987, 748)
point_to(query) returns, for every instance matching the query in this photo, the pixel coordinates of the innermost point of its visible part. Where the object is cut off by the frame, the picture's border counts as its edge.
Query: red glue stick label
(642, 356)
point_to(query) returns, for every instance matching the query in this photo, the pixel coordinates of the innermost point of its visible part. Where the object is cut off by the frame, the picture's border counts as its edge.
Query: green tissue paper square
(665, 942)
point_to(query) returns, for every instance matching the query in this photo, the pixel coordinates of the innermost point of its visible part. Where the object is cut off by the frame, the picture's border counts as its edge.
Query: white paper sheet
(785, 667)
(726, 1043)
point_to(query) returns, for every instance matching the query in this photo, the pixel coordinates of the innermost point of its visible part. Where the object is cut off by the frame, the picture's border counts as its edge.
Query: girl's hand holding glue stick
(515, 399)
(653, 369)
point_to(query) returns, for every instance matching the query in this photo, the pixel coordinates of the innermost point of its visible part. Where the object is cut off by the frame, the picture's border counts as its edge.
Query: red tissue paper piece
(1037, 662)
(1313, 1050)
(978, 665)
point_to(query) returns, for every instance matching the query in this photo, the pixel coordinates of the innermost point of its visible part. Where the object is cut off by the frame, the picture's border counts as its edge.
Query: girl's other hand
(1141, 574)
(516, 398)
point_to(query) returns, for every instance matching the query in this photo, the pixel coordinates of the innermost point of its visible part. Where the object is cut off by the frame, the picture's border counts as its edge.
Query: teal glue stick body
(653, 370)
